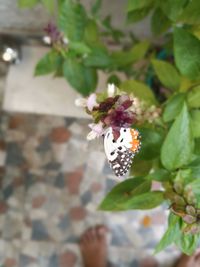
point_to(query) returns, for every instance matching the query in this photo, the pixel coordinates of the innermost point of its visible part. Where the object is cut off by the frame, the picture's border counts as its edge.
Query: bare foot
(93, 247)
(189, 261)
(149, 262)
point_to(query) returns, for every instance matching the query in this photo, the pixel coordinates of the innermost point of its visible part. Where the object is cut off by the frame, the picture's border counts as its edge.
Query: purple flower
(119, 118)
(112, 112)
(124, 101)
(116, 114)
(107, 104)
(53, 32)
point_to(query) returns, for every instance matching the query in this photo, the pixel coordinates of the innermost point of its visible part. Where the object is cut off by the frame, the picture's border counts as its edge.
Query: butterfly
(120, 152)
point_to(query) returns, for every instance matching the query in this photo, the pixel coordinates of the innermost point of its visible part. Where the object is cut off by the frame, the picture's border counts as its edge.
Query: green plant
(163, 77)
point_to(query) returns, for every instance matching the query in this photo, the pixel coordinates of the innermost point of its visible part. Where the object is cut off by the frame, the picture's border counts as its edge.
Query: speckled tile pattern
(52, 181)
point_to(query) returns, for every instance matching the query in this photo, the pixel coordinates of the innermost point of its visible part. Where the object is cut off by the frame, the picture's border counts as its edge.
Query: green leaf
(190, 14)
(173, 107)
(151, 143)
(195, 123)
(49, 4)
(194, 166)
(159, 22)
(187, 53)
(172, 8)
(141, 189)
(98, 58)
(197, 146)
(27, 3)
(111, 31)
(193, 97)
(60, 2)
(82, 78)
(139, 50)
(160, 175)
(114, 79)
(187, 243)
(72, 20)
(140, 167)
(145, 201)
(177, 148)
(186, 84)
(138, 4)
(96, 7)
(124, 191)
(140, 90)
(91, 34)
(137, 15)
(184, 176)
(172, 233)
(167, 74)
(49, 63)
(79, 47)
(123, 58)
(195, 184)
(107, 22)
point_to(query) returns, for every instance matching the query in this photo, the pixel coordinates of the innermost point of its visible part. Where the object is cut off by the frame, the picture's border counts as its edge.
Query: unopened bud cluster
(144, 113)
(184, 205)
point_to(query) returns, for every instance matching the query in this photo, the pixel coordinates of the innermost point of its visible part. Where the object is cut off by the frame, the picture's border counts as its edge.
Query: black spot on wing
(122, 163)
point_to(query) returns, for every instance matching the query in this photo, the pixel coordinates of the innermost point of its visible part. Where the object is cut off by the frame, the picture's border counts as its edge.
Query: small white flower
(155, 115)
(47, 40)
(92, 135)
(152, 108)
(111, 90)
(81, 102)
(97, 130)
(91, 102)
(65, 40)
(150, 120)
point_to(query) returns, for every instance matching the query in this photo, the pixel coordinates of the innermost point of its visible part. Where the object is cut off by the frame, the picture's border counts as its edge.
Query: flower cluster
(54, 36)
(184, 205)
(143, 112)
(114, 109)
(53, 32)
(111, 110)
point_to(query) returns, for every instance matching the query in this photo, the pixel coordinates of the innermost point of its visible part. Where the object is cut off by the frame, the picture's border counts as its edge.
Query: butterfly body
(120, 152)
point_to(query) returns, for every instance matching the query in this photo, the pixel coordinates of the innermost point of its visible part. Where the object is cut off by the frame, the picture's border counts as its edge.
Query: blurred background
(51, 178)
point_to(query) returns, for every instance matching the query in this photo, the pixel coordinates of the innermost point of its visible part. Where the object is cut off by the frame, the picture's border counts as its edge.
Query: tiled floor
(52, 181)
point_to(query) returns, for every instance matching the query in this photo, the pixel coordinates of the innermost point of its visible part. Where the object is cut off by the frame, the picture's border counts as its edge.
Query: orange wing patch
(135, 143)
(146, 221)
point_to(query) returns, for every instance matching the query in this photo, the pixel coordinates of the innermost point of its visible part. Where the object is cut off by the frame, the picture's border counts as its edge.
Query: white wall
(46, 95)
(43, 95)
(32, 21)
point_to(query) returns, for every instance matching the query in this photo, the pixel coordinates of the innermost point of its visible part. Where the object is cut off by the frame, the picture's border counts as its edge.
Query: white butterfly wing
(109, 145)
(118, 152)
